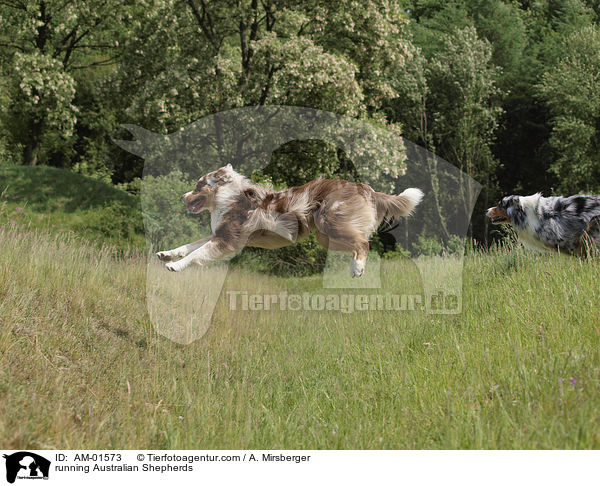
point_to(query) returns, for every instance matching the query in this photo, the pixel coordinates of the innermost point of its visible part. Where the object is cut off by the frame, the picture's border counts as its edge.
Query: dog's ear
(510, 211)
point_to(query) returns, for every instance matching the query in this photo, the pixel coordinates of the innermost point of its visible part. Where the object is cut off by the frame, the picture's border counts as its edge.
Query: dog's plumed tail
(390, 208)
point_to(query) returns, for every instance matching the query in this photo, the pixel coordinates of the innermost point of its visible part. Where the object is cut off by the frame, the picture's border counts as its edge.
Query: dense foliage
(508, 91)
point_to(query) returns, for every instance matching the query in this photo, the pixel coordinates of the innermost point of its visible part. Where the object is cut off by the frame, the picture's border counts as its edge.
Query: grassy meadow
(81, 365)
(471, 101)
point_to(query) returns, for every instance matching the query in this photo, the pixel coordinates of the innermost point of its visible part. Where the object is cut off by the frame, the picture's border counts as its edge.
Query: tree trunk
(32, 147)
(435, 189)
(485, 220)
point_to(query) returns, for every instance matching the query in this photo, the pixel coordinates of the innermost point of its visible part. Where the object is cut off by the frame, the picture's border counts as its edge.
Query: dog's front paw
(165, 256)
(174, 267)
(357, 268)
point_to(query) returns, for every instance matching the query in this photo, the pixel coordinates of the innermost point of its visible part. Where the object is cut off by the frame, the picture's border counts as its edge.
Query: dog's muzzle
(497, 215)
(193, 202)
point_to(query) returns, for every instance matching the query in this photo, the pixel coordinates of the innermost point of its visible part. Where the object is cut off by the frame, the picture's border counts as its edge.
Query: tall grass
(81, 365)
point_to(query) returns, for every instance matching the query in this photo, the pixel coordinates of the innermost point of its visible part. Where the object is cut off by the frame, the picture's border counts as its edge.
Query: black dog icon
(26, 460)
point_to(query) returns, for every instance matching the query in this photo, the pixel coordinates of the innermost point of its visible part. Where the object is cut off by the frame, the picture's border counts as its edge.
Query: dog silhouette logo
(181, 305)
(27, 465)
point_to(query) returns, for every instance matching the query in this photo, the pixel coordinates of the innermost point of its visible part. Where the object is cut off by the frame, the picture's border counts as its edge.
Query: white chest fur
(223, 200)
(530, 240)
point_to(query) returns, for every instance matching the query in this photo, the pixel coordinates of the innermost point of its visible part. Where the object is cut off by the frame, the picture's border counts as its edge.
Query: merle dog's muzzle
(497, 215)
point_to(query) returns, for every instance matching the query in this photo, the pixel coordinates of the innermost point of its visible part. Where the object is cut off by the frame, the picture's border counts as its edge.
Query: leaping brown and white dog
(342, 214)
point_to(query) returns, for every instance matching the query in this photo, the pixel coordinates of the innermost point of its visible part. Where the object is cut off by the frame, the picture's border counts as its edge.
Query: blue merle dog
(568, 225)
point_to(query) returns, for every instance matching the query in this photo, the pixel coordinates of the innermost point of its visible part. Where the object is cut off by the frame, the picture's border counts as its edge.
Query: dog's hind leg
(215, 249)
(358, 246)
(180, 252)
(359, 260)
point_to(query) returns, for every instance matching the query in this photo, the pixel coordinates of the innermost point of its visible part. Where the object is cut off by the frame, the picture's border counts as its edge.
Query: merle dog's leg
(589, 243)
(215, 249)
(593, 229)
(180, 252)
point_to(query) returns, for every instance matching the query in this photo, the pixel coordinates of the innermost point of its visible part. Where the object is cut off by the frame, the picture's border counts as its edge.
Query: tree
(570, 90)
(204, 57)
(465, 96)
(45, 42)
(42, 100)
(450, 105)
(522, 142)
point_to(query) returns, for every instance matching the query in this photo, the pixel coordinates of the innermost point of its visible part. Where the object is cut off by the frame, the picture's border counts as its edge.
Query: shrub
(114, 220)
(167, 223)
(430, 246)
(304, 258)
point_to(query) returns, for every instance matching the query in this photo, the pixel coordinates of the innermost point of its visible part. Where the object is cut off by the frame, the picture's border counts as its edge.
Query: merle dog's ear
(510, 211)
